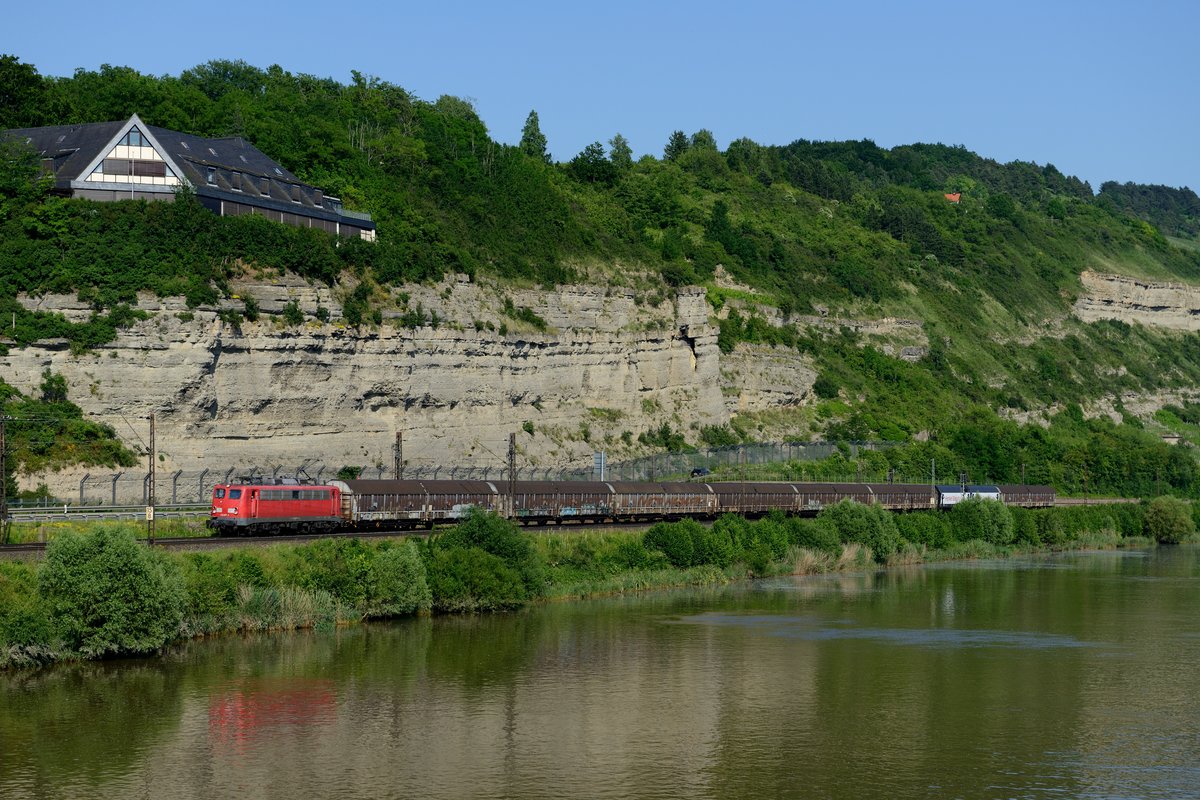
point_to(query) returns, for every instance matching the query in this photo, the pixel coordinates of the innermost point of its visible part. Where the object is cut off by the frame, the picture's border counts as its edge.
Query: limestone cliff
(1166, 305)
(262, 393)
(607, 365)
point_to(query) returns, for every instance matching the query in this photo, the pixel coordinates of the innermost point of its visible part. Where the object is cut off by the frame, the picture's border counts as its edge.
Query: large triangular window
(135, 161)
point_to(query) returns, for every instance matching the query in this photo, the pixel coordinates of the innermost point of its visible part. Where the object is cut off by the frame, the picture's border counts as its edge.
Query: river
(1073, 675)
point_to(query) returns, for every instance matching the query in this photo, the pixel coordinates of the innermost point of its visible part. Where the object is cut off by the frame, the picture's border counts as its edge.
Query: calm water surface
(1067, 676)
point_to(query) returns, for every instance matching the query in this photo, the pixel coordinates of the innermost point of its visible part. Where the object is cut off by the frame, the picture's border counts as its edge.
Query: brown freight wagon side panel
(639, 499)
(756, 498)
(546, 500)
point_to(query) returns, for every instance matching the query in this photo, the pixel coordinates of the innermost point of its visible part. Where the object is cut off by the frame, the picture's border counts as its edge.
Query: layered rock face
(1165, 305)
(608, 365)
(262, 394)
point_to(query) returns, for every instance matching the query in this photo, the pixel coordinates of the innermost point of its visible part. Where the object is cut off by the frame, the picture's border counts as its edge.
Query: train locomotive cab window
(219, 494)
(235, 494)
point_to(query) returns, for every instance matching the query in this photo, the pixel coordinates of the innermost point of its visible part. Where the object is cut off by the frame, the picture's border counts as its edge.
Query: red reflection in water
(249, 707)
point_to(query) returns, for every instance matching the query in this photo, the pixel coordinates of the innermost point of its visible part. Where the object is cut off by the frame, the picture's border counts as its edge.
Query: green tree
(292, 314)
(1169, 520)
(869, 526)
(54, 387)
(396, 582)
(591, 166)
(1002, 206)
(23, 96)
(620, 153)
(533, 141)
(677, 145)
(19, 184)
(108, 595)
(989, 520)
(703, 139)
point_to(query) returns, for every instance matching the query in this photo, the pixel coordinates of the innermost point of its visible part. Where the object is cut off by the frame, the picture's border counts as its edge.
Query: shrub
(210, 587)
(977, 518)
(23, 621)
(470, 579)
(869, 526)
(711, 545)
(1050, 527)
(1025, 526)
(246, 569)
(632, 554)
(930, 528)
(292, 314)
(396, 582)
(674, 540)
(1169, 520)
(108, 595)
(337, 566)
(503, 539)
(771, 532)
(813, 534)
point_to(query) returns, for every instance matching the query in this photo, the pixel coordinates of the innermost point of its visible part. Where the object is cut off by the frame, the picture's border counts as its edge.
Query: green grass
(27, 532)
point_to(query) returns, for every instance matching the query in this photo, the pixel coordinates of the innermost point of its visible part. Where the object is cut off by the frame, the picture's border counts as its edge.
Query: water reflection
(1071, 675)
(247, 709)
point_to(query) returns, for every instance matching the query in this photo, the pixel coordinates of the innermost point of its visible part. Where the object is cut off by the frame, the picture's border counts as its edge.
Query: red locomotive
(266, 508)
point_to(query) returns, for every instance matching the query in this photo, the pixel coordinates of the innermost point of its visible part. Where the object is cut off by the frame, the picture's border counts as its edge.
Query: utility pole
(150, 489)
(512, 476)
(399, 454)
(3, 485)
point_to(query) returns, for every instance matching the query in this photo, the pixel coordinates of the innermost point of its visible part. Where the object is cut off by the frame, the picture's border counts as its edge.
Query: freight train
(255, 508)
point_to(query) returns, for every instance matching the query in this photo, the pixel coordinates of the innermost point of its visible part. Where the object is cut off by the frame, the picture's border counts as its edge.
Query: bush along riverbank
(104, 594)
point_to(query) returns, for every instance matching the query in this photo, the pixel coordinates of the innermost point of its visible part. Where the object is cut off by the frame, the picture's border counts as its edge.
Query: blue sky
(1103, 90)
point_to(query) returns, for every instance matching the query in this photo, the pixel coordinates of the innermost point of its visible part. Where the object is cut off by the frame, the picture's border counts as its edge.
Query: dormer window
(236, 181)
(212, 176)
(266, 187)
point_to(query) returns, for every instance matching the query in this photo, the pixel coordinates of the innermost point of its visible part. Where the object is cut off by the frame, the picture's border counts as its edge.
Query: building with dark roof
(131, 160)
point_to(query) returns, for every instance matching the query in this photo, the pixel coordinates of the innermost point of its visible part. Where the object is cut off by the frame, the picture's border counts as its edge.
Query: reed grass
(853, 556)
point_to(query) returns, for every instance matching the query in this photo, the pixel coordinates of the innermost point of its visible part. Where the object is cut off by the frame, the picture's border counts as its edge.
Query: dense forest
(813, 227)
(1175, 212)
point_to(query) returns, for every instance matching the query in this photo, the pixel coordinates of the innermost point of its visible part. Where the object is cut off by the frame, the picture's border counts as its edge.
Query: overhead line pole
(512, 476)
(150, 489)
(3, 485)
(399, 455)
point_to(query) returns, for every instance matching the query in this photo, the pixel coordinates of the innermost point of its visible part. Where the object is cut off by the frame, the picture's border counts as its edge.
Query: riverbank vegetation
(104, 594)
